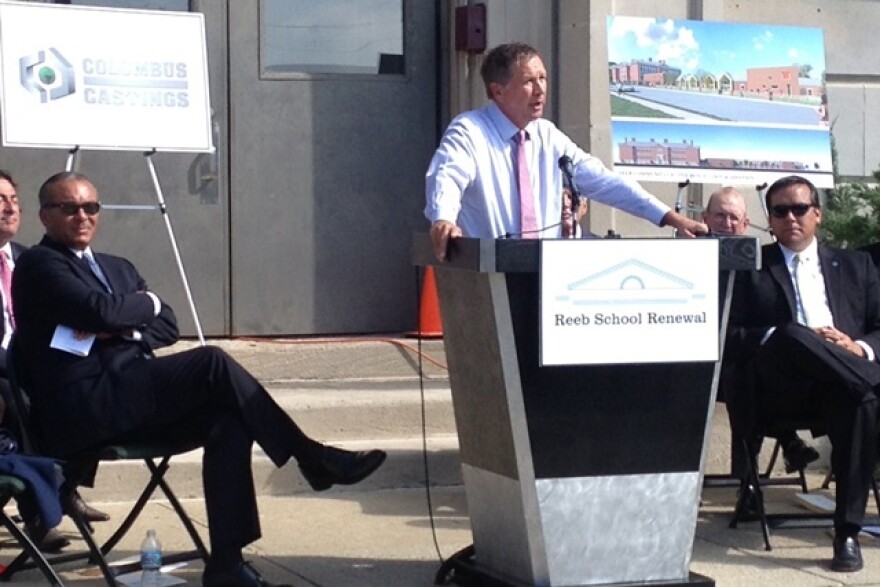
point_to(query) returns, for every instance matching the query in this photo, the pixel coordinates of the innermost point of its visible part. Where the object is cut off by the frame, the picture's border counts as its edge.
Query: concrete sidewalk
(384, 538)
(366, 393)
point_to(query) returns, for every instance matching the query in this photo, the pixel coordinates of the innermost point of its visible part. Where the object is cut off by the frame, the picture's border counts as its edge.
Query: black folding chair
(756, 481)
(155, 455)
(11, 486)
(739, 461)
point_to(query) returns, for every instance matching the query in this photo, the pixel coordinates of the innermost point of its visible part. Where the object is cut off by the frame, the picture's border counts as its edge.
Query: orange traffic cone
(430, 324)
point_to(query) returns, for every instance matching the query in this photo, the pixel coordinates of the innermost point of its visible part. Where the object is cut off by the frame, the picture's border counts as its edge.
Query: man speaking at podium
(496, 171)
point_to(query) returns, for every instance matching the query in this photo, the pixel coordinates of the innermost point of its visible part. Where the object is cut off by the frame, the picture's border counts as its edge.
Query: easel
(761, 189)
(71, 163)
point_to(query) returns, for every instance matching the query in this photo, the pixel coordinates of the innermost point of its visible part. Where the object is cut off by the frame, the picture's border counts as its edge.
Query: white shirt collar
(80, 252)
(505, 127)
(811, 252)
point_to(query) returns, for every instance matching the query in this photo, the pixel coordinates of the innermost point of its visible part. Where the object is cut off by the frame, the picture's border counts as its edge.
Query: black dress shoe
(74, 503)
(50, 541)
(847, 554)
(797, 454)
(243, 575)
(747, 505)
(341, 467)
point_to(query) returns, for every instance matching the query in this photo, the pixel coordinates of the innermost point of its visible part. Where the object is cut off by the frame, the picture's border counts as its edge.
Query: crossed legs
(801, 374)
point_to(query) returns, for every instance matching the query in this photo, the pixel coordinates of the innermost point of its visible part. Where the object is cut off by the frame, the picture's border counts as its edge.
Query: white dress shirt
(813, 265)
(809, 264)
(87, 253)
(471, 180)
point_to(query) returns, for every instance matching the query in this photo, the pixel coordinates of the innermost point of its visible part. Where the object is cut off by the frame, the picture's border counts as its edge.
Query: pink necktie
(6, 282)
(528, 221)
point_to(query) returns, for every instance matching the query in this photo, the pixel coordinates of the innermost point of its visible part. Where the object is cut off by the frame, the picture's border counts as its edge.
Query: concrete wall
(571, 36)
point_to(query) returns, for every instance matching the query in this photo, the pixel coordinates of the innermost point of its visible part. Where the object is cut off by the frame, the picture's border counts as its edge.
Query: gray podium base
(461, 569)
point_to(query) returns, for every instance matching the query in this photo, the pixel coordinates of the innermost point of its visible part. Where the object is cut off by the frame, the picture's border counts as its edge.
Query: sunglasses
(782, 210)
(70, 209)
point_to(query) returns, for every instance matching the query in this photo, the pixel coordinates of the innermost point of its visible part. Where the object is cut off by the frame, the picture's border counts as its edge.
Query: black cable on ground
(428, 498)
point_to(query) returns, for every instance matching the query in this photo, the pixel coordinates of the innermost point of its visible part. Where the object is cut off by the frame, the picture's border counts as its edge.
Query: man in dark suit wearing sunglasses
(805, 333)
(47, 539)
(87, 325)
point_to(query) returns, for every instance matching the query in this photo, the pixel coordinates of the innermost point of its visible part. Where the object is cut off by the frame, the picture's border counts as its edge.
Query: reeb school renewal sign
(102, 78)
(629, 301)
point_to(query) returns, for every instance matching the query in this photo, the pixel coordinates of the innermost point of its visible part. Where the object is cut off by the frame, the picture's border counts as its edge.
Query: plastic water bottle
(151, 560)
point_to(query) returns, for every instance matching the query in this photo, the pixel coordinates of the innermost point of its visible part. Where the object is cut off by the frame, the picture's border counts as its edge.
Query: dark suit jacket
(766, 298)
(17, 250)
(874, 250)
(81, 401)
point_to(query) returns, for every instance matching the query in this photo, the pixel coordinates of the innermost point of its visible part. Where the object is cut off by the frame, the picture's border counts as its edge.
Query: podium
(574, 475)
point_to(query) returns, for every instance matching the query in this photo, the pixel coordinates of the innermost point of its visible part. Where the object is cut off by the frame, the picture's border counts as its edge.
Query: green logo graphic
(47, 74)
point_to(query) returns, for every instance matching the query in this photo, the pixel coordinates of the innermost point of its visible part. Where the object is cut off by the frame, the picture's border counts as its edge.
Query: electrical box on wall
(470, 28)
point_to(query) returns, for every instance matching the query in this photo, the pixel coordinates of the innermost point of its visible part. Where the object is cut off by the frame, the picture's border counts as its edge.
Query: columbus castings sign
(103, 78)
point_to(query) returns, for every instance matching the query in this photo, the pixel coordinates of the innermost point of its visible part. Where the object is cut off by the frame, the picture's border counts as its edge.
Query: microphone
(568, 181)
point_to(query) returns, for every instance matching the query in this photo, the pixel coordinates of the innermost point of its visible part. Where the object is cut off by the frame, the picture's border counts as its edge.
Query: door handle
(211, 171)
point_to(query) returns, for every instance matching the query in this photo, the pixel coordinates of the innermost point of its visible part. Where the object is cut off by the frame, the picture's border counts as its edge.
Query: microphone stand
(568, 182)
(575, 204)
(679, 199)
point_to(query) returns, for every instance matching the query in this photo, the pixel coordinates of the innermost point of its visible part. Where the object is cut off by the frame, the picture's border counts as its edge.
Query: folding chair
(738, 459)
(10, 487)
(155, 455)
(757, 481)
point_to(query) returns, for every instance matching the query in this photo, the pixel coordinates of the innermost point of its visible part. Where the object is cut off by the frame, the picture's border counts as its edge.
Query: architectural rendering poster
(711, 102)
(102, 78)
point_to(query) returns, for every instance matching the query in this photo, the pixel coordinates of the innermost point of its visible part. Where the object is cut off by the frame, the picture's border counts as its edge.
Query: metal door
(327, 176)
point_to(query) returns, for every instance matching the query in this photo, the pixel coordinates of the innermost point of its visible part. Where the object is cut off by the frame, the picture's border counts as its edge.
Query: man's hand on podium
(441, 232)
(685, 226)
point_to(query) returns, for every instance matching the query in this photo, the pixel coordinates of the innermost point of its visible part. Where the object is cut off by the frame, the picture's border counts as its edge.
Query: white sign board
(101, 78)
(629, 301)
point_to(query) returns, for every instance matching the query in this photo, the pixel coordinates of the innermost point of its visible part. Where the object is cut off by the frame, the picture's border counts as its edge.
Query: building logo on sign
(107, 81)
(47, 74)
(659, 296)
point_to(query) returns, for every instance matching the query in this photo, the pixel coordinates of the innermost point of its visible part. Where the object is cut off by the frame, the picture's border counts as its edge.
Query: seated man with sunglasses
(805, 333)
(87, 326)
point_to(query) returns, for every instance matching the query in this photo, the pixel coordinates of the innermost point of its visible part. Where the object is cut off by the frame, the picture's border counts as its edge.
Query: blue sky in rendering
(715, 47)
